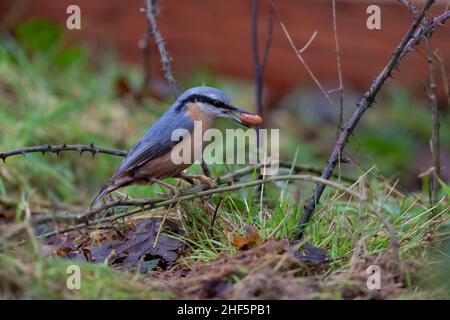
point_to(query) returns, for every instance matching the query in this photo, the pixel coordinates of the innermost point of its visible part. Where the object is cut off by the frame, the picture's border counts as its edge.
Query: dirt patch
(274, 270)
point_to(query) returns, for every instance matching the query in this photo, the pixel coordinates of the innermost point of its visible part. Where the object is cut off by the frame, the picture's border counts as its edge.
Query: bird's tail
(105, 190)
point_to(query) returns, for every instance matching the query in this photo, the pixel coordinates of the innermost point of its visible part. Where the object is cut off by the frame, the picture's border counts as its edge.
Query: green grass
(40, 277)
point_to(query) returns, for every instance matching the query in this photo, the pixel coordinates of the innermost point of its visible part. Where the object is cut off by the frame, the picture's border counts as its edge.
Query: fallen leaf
(311, 254)
(251, 239)
(135, 244)
(64, 251)
(87, 254)
(141, 243)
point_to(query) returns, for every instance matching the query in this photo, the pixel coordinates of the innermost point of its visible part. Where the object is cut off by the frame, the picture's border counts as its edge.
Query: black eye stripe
(205, 99)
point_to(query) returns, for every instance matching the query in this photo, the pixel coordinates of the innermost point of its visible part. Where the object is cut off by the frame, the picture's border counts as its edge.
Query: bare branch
(256, 63)
(146, 58)
(298, 53)
(435, 141)
(311, 39)
(268, 43)
(150, 12)
(338, 64)
(416, 32)
(411, 7)
(63, 147)
(425, 30)
(445, 78)
(122, 153)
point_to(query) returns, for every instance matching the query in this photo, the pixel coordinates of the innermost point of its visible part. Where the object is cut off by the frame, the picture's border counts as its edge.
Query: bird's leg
(173, 190)
(190, 181)
(202, 178)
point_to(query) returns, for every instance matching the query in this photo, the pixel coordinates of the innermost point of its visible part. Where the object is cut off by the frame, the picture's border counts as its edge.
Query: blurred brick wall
(216, 34)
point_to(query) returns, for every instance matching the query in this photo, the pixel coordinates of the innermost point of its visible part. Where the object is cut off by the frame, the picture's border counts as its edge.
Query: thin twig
(445, 78)
(339, 68)
(161, 225)
(258, 72)
(213, 219)
(411, 7)
(268, 43)
(144, 46)
(308, 43)
(435, 141)
(150, 12)
(298, 53)
(413, 36)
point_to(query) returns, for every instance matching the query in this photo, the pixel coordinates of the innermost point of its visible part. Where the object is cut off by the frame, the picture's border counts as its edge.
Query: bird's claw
(212, 183)
(175, 192)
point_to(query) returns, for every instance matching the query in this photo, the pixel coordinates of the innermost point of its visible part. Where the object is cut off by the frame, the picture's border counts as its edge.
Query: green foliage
(75, 104)
(46, 277)
(393, 148)
(445, 187)
(39, 35)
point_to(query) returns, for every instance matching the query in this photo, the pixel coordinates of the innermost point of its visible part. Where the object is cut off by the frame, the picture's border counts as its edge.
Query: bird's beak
(232, 115)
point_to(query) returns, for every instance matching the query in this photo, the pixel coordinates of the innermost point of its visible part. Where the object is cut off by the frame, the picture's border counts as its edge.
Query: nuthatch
(150, 161)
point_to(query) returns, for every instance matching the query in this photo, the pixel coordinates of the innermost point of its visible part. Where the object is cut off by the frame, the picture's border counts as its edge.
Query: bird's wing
(156, 142)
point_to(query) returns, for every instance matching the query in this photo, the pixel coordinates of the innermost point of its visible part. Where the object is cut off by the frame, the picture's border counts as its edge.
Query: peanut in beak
(251, 120)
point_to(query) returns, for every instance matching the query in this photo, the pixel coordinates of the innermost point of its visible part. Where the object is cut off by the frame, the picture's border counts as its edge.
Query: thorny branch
(411, 7)
(92, 148)
(415, 34)
(122, 153)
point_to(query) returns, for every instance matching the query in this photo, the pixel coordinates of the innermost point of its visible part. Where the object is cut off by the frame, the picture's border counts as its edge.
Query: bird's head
(215, 103)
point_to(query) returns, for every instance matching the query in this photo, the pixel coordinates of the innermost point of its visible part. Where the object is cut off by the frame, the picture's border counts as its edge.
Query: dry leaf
(251, 239)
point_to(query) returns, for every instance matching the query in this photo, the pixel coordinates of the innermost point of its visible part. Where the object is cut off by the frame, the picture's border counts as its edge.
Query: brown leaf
(127, 248)
(139, 244)
(87, 254)
(122, 87)
(64, 251)
(251, 239)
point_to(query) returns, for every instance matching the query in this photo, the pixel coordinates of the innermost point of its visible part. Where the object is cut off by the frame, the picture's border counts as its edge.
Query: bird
(149, 161)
